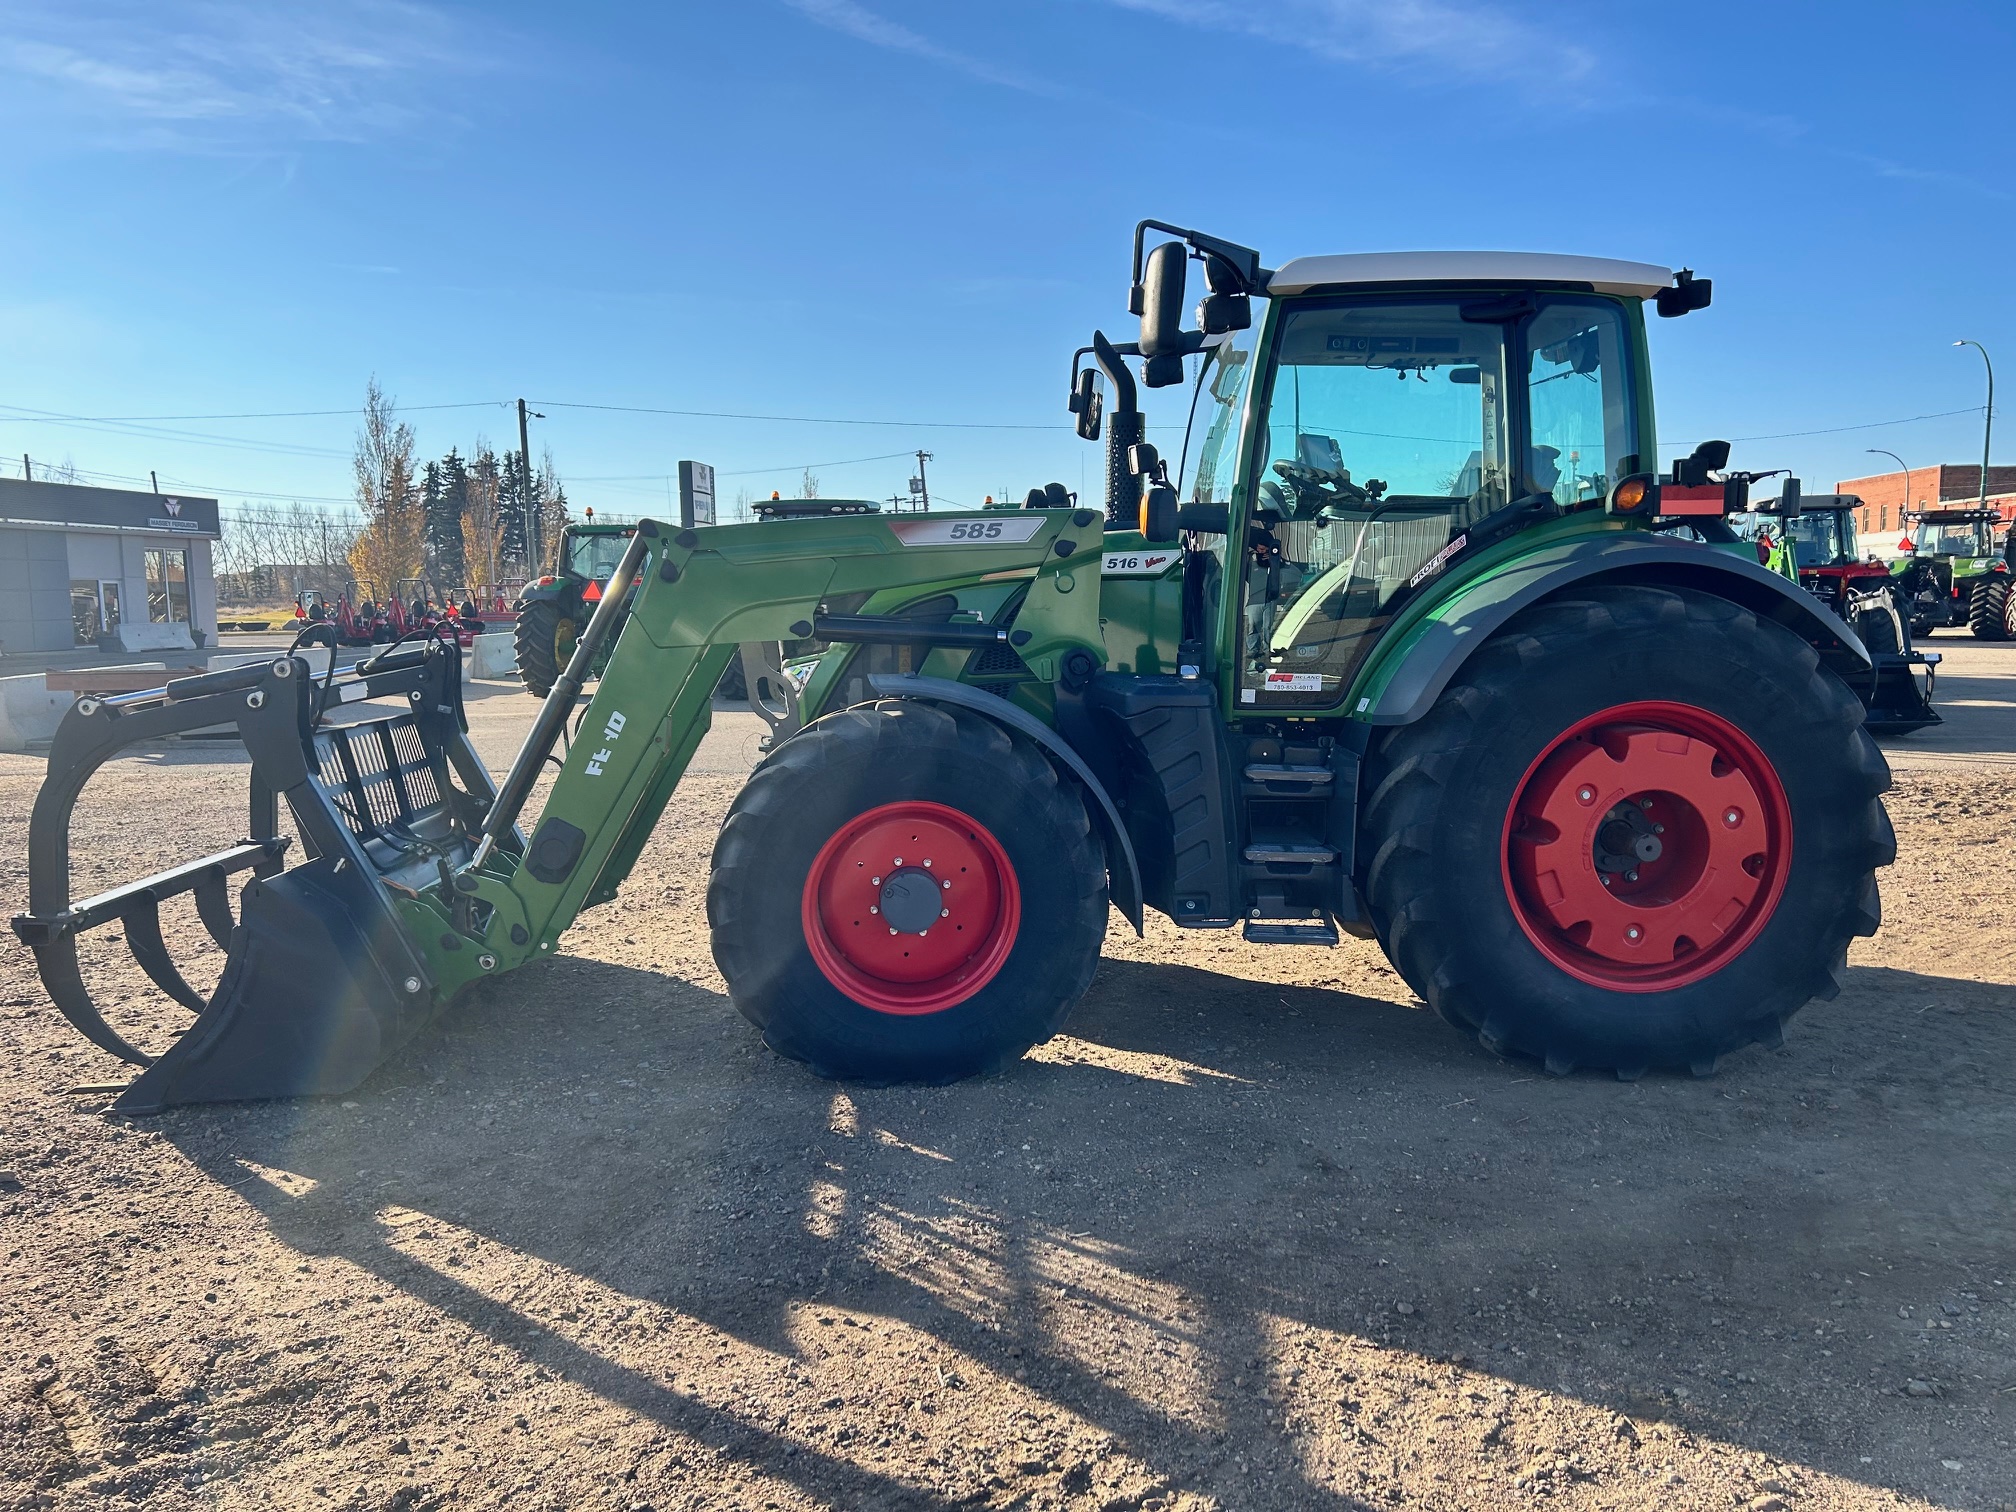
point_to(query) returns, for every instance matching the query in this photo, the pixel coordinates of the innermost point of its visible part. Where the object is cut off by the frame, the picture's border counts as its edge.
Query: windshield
(1968, 538)
(1823, 540)
(1389, 441)
(596, 556)
(1212, 441)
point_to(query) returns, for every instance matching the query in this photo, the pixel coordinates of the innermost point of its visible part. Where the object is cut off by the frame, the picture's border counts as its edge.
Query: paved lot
(1256, 1232)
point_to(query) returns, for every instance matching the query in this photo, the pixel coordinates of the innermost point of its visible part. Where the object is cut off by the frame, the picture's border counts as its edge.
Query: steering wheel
(1316, 488)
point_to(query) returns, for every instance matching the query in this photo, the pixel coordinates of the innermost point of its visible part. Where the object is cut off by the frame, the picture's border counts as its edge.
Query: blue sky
(912, 210)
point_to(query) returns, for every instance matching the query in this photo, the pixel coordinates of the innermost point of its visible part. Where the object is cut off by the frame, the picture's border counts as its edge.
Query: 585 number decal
(1002, 530)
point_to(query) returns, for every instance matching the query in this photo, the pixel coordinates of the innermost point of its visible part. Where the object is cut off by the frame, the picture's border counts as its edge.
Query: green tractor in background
(1414, 642)
(1956, 573)
(554, 609)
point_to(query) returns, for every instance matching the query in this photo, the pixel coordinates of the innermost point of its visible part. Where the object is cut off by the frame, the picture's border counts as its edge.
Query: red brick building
(1948, 484)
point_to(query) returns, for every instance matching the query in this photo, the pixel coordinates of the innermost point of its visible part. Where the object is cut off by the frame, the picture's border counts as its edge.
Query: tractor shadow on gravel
(1209, 1183)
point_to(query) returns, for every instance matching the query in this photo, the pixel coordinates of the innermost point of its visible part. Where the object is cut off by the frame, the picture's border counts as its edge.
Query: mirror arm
(1243, 262)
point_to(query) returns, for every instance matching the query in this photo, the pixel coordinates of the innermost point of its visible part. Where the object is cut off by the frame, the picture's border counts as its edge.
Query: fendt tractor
(1955, 572)
(1811, 539)
(1413, 642)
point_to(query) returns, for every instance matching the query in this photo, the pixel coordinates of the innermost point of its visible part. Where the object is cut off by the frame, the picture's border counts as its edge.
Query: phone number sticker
(1002, 530)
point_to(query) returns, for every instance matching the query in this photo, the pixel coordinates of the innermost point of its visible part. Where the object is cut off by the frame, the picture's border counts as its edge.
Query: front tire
(1698, 757)
(904, 892)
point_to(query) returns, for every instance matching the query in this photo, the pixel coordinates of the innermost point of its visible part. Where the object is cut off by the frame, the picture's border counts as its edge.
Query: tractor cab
(1815, 545)
(1952, 533)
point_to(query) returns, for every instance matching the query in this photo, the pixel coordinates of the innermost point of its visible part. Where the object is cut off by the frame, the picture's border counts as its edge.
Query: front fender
(1123, 872)
(1405, 685)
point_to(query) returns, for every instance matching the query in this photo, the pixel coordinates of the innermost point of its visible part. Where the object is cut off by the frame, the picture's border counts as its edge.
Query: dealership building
(1887, 497)
(105, 568)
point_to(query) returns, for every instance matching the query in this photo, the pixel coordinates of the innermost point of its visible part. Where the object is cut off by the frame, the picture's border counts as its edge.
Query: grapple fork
(319, 981)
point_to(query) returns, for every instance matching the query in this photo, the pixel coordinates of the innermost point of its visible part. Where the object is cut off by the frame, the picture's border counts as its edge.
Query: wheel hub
(1647, 846)
(911, 908)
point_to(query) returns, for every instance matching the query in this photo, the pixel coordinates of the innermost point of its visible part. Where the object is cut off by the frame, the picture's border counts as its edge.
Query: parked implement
(1425, 649)
(1811, 539)
(1957, 572)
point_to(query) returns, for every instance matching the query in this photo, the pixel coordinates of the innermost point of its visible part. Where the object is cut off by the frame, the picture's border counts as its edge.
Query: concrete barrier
(494, 655)
(143, 635)
(29, 712)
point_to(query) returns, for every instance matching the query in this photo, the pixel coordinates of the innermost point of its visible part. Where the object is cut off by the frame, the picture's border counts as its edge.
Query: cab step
(1287, 780)
(1288, 853)
(1320, 930)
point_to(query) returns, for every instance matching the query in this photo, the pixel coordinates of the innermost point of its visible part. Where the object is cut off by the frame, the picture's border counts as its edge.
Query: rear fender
(1405, 685)
(1123, 872)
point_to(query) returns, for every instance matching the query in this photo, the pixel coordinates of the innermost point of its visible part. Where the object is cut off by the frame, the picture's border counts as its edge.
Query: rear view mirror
(1687, 294)
(1164, 342)
(1226, 307)
(1087, 405)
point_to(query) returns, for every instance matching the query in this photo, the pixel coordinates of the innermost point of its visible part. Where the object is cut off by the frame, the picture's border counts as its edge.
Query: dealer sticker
(1437, 562)
(1137, 563)
(1294, 682)
(1011, 530)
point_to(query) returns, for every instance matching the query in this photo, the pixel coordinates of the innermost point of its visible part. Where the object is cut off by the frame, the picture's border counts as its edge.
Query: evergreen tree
(445, 491)
(511, 512)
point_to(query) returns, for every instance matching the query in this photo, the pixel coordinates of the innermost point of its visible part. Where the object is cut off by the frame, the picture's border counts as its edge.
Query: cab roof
(1606, 275)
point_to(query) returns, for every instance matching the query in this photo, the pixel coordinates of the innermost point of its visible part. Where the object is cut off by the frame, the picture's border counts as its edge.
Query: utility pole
(1987, 419)
(151, 478)
(919, 485)
(534, 556)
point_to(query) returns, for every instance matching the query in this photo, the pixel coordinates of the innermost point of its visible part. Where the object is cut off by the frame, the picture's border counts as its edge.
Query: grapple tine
(57, 963)
(213, 907)
(143, 938)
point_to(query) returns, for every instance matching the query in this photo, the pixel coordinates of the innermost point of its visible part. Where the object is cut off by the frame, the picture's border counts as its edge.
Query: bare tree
(808, 487)
(482, 523)
(391, 544)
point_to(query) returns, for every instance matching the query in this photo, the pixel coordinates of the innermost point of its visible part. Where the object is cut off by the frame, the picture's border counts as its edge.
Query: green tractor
(552, 610)
(1956, 572)
(1414, 643)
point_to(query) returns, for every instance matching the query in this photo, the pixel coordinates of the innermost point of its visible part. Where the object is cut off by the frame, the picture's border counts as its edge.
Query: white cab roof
(1607, 275)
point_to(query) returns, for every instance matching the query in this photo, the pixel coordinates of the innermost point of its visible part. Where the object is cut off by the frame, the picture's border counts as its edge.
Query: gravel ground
(1257, 1232)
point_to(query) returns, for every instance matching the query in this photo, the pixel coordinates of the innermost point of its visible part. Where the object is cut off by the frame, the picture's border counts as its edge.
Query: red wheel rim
(1647, 846)
(911, 908)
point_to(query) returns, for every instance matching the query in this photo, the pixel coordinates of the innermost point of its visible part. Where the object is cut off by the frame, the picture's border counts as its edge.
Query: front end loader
(1414, 643)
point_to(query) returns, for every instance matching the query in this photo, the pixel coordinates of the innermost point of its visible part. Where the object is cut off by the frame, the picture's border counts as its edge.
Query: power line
(1835, 430)
(642, 409)
(273, 414)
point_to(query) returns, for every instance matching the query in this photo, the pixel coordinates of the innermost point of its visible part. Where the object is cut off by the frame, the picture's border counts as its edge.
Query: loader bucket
(320, 982)
(1895, 701)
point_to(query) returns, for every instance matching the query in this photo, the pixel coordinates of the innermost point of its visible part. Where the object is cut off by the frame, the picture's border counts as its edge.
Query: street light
(1877, 451)
(1987, 419)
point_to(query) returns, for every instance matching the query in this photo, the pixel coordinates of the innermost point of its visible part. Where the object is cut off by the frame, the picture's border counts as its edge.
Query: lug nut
(944, 913)
(1658, 829)
(873, 909)
(946, 884)
(1644, 803)
(1631, 876)
(892, 931)
(927, 860)
(1633, 933)
(1732, 817)
(1585, 795)
(874, 881)
(899, 861)
(1606, 879)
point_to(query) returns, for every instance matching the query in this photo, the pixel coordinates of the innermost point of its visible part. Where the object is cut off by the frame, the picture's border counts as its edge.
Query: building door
(108, 605)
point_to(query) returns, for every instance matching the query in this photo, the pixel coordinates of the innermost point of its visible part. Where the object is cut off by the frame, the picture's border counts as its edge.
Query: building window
(168, 587)
(1886, 518)
(84, 621)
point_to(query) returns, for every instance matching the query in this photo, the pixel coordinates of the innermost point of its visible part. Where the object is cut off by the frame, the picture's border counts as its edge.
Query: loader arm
(700, 593)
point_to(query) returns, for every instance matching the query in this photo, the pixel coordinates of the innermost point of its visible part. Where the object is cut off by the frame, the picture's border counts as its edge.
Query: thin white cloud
(1452, 36)
(864, 25)
(225, 75)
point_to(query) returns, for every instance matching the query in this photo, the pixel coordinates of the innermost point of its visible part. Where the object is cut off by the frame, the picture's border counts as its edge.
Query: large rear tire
(734, 684)
(543, 637)
(904, 892)
(1697, 757)
(1988, 612)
